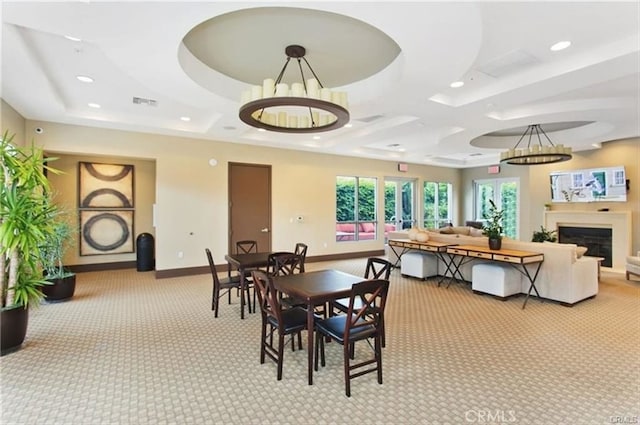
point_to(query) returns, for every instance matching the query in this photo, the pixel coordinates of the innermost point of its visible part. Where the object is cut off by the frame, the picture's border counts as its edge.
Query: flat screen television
(606, 184)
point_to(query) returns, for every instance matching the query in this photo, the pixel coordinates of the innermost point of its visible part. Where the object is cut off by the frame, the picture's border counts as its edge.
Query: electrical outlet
(180, 254)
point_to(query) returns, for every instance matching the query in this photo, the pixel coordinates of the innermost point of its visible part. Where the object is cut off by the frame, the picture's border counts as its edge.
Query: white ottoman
(495, 279)
(418, 265)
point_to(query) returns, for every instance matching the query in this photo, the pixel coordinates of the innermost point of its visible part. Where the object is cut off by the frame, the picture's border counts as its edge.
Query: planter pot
(14, 322)
(495, 243)
(60, 289)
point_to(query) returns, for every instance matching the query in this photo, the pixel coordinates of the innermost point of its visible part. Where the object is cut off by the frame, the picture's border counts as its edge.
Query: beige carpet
(129, 349)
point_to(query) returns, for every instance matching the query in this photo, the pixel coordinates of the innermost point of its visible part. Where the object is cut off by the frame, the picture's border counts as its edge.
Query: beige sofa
(563, 277)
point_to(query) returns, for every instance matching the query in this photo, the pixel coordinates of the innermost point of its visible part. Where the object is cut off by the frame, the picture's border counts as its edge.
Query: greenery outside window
(437, 204)
(356, 207)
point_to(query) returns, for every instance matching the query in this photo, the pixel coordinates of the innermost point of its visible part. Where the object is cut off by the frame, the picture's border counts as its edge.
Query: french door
(399, 203)
(505, 193)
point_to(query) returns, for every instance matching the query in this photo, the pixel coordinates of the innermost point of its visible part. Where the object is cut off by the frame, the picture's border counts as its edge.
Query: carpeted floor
(129, 349)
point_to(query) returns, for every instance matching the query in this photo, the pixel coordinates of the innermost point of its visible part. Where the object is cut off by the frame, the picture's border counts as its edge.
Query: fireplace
(596, 240)
(619, 222)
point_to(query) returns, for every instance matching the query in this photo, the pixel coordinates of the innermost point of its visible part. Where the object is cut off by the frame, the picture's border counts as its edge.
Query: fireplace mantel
(618, 221)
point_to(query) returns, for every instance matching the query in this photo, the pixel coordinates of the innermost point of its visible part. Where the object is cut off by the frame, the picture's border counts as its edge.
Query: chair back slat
(301, 250)
(284, 263)
(372, 295)
(246, 247)
(378, 268)
(212, 267)
(267, 296)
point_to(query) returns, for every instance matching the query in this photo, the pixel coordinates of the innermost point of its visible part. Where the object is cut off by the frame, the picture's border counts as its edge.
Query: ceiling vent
(143, 101)
(510, 63)
(370, 118)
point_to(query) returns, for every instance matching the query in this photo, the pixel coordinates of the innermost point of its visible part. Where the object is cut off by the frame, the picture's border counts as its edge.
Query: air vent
(143, 101)
(510, 63)
(371, 118)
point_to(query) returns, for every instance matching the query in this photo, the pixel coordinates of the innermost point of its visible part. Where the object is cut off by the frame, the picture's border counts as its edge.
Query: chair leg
(263, 342)
(319, 348)
(213, 299)
(378, 352)
(347, 376)
(280, 355)
(382, 337)
(216, 301)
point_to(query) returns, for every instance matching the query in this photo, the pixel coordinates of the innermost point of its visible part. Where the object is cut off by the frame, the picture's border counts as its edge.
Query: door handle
(265, 230)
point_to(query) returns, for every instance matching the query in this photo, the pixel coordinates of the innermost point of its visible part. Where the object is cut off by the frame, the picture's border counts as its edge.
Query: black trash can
(145, 260)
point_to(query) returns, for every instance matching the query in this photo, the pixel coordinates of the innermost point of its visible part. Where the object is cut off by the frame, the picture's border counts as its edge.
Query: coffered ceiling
(156, 64)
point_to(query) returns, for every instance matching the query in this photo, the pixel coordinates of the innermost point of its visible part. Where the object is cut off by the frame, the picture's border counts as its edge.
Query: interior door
(250, 204)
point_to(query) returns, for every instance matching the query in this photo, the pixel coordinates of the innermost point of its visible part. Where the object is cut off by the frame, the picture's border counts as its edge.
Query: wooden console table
(515, 258)
(439, 249)
(401, 246)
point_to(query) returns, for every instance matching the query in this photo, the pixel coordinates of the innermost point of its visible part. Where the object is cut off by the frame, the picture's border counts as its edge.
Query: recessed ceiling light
(93, 105)
(84, 78)
(456, 84)
(185, 119)
(316, 137)
(348, 125)
(561, 45)
(261, 129)
(68, 37)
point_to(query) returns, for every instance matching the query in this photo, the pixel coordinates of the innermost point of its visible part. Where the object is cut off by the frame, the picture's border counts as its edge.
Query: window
(356, 208)
(618, 177)
(505, 194)
(577, 180)
(437, 204)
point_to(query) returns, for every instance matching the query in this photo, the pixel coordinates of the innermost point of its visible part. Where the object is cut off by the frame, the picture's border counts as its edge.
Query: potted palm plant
(493, 227)
(62, 282)
(544, 235)
(25, 211)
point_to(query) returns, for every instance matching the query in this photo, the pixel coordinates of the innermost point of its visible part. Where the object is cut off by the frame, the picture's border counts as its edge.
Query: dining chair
(247, 246)
(361, 324)
(301, 250)
(284, 263)
(220, 286)
(283, 322)
(377, 268)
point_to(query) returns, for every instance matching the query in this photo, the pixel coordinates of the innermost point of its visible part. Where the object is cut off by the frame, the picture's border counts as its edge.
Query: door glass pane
(430, 195)
(509, 204)
(390, 205)
(444, 213)
(407, 205)
(484, 193)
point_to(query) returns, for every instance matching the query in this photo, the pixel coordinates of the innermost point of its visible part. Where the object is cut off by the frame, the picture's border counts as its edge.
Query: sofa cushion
(346, 227)
(367, 227)
(580, 251)
(476, 233)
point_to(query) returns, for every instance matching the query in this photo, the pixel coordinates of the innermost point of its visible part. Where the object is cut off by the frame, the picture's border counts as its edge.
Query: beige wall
(535, 190)
(191, 196)
(13, 122)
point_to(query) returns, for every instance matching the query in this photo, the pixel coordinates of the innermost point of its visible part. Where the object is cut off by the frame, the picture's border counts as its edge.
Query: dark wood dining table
(244, 262)
(315, 288)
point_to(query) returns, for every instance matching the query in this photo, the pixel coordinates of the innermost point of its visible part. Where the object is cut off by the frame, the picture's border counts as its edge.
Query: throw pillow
(446, 231)
(475, 232)
(461, 230)
(580, 251)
